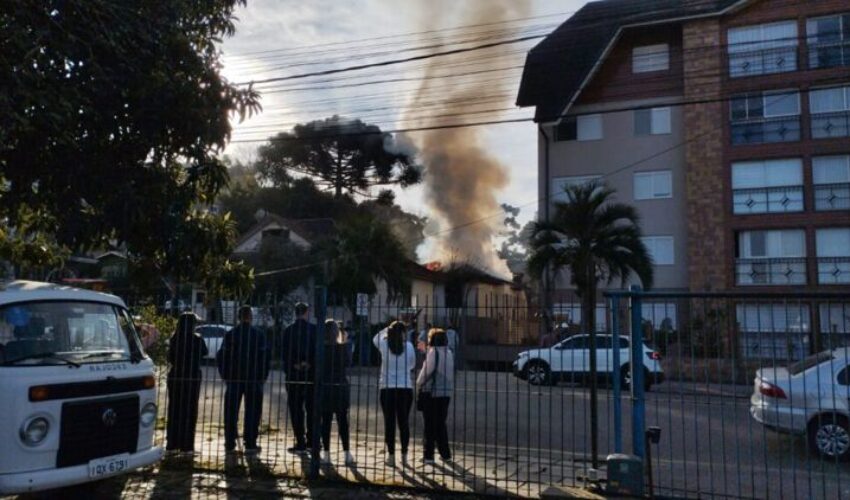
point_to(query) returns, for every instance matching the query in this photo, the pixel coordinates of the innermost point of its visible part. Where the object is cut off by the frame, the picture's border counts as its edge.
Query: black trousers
(234, 392)
(342, 428)
(183, 394)
(299, 400)
(435, 413)
(395, 404)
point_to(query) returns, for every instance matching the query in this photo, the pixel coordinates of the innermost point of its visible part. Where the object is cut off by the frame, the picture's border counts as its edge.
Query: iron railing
(832, 196)
(768, 200)
(828, 125)
(834, 270)
(773, 271)
(766, 130)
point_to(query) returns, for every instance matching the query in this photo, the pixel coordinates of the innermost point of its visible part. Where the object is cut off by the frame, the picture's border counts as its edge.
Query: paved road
(511, 436)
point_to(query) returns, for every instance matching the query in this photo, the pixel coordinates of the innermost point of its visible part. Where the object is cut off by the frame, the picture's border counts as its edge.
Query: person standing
(186, 350)
(398, 360)
(243, 363)
(334, 394)
(298, 351)
(434, 385)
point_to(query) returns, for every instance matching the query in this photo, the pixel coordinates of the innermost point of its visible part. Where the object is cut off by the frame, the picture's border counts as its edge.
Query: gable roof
(557, 67)
(312, 230)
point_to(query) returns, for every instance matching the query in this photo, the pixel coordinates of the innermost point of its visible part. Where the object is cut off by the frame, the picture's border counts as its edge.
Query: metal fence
(516, 434)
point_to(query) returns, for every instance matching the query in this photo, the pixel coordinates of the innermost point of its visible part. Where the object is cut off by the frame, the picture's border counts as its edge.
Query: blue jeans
(233, 394)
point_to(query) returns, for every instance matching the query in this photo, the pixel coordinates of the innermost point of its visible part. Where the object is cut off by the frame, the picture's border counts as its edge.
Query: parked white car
(811, 397)
(569, 360)
(213, 336)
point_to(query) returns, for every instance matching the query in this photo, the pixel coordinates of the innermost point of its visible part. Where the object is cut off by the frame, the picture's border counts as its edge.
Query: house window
(776, 331)
(765, 117)
(655, 121)
(833, 247)
(835, 324)
(830, 109)
(560, 184)
(763, 49)
(589, 127)
(566, 130)
(828, 40)
(651, 58)
(775, 257)
(653, 185)
(831, 175)
(660, 248)
(661, 315)
(767, 186)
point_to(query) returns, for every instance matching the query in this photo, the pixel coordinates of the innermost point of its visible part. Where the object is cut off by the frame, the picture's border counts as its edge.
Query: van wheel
(538, 373)
(829, 437)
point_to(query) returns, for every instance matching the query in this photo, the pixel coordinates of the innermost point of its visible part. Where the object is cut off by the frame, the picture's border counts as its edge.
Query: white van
(78, 394)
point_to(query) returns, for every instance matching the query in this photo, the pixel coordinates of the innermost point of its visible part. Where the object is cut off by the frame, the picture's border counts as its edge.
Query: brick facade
(708, 262)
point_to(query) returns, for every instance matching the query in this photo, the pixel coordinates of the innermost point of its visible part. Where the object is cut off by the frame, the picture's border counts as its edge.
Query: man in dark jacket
(243, 363)
(298, 355)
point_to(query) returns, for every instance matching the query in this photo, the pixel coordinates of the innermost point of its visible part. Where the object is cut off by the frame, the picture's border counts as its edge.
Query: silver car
(811, 397)
(213, 336)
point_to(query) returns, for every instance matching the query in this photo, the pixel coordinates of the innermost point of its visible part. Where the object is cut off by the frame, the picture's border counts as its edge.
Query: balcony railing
(834, 270)
(832, 196)
(768, 200)
(777, 271)
(827, 125)
(766, 130)
(829, 54)
(762, 61)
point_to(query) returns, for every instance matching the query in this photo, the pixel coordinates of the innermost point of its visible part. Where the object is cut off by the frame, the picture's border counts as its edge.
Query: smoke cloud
(461, 177)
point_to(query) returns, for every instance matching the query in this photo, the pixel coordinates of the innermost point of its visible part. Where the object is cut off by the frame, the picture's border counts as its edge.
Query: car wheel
(829, 437)
(626, 378)
(538, 373)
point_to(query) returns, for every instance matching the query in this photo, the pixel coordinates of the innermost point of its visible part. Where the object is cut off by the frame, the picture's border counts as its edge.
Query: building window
(651, 58)
(771, 257)
(767, 186)
(568, 315)
(655, 121)
(566, 129)
(835, 324)
(560, 184)
(661, 315)
(833, 247)
(660, 248)
(763, 49)
(830, 109)
(765, 117)
(653, 185)
(831, 175)
(777, 331)
(828, 39)
(589, 127)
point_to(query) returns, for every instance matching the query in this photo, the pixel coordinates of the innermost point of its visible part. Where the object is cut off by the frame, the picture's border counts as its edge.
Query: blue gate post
(615, 342)
(319, 346)
(636, 365)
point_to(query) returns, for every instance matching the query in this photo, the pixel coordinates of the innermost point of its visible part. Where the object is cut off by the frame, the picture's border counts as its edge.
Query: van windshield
(52, 333)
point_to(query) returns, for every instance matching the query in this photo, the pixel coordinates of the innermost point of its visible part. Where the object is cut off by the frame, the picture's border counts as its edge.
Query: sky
(280, 38)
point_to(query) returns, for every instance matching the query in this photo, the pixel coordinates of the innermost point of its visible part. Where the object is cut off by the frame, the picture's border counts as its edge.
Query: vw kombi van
(77, 393)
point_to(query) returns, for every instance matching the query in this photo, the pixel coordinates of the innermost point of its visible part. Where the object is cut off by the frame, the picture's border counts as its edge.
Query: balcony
(829, 54)
(828, 125)
(762, 61)
(766, 130)
(832, 196)
(776, 271)
(834, 270)
(768, 200)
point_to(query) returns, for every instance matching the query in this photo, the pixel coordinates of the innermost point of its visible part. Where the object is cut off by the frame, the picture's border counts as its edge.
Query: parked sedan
(810, 397)
(569, 360)
(213, 335)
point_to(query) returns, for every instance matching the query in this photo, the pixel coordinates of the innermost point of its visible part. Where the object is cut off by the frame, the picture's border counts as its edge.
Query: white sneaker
(349, 459)
(390, 460)
(326, 458)
(428, 461)
(404, 461)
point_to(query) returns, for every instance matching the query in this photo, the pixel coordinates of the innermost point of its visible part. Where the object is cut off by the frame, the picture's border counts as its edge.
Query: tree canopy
(341, 155)
(112, 116)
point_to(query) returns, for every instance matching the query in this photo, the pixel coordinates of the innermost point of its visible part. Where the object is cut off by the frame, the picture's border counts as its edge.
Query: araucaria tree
(112, 116)
(595, 240)
(345, 156)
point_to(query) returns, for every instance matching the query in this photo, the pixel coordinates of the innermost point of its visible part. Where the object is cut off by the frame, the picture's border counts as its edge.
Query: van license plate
(108, 466)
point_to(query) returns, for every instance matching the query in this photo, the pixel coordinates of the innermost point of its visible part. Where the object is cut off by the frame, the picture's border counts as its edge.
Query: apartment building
(727, 124)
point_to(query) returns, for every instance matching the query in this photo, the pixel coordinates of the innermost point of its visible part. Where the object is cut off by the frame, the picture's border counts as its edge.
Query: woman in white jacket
(398, 360)
(435, 385)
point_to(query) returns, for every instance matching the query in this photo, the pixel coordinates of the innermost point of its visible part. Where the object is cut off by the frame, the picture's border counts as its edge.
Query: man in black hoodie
(243, 363)
(298, 352)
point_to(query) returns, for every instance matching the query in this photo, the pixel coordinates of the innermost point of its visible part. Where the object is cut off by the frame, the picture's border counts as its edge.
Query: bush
(165, 326)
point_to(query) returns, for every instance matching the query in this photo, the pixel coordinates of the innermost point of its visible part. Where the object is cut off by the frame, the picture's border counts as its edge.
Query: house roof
(558, 66)
(312, 230)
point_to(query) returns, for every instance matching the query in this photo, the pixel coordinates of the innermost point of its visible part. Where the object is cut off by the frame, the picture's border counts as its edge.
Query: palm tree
(364, 252)
(595, 239)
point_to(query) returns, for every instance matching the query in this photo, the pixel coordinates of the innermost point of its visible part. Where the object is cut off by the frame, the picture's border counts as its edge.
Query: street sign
(362, 304)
